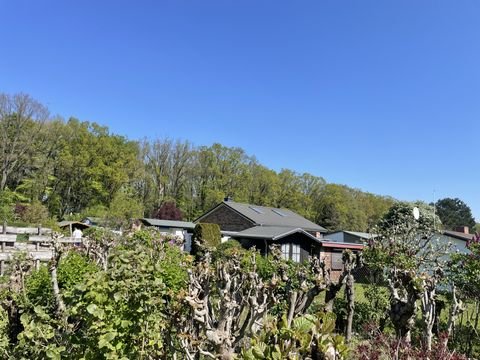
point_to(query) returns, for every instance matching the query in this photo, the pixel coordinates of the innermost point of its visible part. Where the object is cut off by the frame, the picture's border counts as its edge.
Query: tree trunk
(350, 297)
(455, 310)
(3, 181)
(291, 312)
(56, 290)
(330, 296)
(428, 311)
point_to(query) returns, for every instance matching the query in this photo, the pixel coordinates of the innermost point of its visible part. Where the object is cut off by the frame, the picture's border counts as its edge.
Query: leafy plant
(308, 336)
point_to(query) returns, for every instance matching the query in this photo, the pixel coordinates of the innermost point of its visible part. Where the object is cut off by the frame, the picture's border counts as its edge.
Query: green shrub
(226, 249)
(206, 235)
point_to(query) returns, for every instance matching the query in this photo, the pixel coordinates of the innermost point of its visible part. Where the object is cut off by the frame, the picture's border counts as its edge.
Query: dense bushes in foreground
(141, 297)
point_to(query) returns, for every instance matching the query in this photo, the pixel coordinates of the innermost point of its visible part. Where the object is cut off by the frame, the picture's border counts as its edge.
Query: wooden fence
(39, 245)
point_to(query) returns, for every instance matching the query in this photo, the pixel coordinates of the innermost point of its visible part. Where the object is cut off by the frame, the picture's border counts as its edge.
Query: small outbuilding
(182, 229)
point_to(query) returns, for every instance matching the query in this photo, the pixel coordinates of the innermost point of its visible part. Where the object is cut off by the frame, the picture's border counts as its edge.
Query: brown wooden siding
(326, 256)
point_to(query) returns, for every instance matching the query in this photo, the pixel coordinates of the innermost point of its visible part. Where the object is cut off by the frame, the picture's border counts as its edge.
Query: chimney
(228, 198)
(463, 229)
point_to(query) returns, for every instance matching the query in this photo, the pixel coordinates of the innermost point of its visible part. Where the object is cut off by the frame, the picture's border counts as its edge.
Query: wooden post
(3, 246)
(37, 245)
(4, 227)
(2, 267)
(37, 264)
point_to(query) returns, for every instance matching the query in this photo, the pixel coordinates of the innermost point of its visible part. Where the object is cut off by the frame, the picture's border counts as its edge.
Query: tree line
(59, 169)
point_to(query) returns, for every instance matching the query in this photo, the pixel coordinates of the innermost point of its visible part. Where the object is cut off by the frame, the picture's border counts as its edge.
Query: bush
(35, 214)
(226, 249)
(206, 235)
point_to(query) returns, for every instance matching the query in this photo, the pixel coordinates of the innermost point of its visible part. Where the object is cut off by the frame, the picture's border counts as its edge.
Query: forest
(53, 169)
(68, 168)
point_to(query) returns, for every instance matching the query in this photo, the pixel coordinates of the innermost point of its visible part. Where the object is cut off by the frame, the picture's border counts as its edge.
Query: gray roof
(458, 235)
(66, 223)
(269, 216)
(271, 233)
(359, 234)
(168, 223)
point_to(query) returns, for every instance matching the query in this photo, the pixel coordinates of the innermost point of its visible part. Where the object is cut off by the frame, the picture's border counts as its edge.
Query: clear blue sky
(379, 95)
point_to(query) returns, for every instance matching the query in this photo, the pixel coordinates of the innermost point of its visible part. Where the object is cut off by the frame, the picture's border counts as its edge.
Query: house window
(286, 251)
(296, 252)
(291, 252)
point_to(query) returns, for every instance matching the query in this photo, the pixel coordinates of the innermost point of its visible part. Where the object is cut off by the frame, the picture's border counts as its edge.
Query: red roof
(342, 245)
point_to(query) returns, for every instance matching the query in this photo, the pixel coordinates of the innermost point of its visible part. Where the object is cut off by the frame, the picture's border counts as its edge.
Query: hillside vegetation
(54, 168)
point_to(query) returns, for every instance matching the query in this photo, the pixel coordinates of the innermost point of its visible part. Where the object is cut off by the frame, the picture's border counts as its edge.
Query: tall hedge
(206, 235)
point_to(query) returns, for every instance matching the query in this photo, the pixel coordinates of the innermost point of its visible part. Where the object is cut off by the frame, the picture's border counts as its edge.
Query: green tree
(406, 250)
(21, 117)
(337, 209)
(123, 208)
(7, 201)
(91, 167)
(454, 213)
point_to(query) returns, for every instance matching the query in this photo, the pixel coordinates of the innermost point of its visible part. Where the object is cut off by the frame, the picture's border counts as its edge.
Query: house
(458, 238)
(354, 237)
(182, 229)
(262, 226)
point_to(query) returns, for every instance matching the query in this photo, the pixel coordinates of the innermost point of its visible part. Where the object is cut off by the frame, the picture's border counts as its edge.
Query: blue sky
(379, 95)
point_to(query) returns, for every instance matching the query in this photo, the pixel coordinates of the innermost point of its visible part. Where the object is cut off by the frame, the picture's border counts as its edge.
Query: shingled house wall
(227, 219)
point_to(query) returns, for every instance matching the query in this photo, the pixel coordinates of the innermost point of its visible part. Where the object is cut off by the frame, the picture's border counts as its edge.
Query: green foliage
(205, 235)
(73, 269)
(464, 271)
(454, 213)
(4, 341)
(124, 207)
(40, 338)
(309, 336)
(36, 214)
(339, 207)
(39, 288)
(123, 312)
(76, 167)
(226, 249)
(402, 241)
(7, 201)
(372, 311)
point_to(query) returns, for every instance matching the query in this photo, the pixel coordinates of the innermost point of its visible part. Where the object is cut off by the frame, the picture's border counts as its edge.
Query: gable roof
(271, 233)
(270, 216)
(74, 224)
(168, 223)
